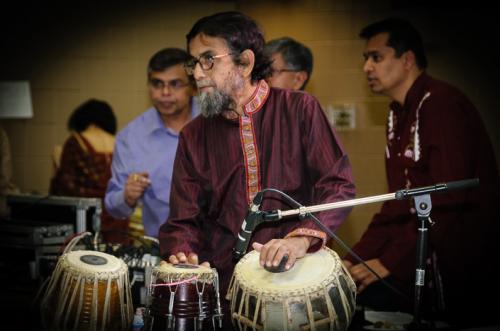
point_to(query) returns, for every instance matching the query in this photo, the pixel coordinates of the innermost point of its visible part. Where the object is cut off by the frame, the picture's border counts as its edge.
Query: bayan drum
(88, 290)
(184, 297)
(317, 293)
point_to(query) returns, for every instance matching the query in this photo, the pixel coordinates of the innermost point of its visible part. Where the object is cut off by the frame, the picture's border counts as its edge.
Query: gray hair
(297, 56)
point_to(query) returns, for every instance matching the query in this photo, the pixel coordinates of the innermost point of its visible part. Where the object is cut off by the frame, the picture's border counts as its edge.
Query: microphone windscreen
(462, 184)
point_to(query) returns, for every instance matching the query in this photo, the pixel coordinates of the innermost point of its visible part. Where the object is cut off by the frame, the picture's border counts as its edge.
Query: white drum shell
(317, 294)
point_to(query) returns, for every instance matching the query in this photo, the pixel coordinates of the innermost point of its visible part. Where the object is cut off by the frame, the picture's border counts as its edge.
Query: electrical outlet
(342, 116)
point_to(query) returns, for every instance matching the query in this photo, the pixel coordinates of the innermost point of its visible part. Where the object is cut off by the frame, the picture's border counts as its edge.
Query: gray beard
(212, 104)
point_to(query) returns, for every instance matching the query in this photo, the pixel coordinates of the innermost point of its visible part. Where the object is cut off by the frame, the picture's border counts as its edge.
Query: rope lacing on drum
(176, 282)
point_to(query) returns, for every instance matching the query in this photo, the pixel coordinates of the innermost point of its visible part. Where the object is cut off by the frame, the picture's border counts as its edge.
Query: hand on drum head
(272, 253)
(280, 268)
(191, 258)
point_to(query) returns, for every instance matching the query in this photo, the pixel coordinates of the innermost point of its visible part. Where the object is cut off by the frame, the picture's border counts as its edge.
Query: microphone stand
(423, 205)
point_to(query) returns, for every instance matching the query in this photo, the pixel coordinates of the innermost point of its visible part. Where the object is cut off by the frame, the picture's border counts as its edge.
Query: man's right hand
(191, 258)
(135, 186)
(362, 276)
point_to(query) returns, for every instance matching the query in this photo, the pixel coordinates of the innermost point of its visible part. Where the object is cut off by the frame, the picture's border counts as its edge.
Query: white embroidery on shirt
(417, 137)
(390, 133)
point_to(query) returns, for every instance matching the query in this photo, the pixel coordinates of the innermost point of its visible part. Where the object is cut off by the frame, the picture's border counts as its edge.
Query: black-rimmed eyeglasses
(175, 84)
(206, 62)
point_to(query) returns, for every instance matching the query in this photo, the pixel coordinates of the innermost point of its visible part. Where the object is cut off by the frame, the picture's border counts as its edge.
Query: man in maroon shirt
(251, 137)
(434, 135)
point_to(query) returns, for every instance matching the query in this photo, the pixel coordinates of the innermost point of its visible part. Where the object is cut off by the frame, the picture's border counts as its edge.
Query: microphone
(252, 219)
(456, 185)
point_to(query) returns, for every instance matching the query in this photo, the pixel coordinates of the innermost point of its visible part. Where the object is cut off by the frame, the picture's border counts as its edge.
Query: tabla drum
(183, 297)
(317, 293)
(88, 290)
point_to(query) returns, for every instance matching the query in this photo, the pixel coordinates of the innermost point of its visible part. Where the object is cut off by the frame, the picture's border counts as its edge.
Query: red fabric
(298, 154)
(454, 146)
(85, 173)
(311, 233)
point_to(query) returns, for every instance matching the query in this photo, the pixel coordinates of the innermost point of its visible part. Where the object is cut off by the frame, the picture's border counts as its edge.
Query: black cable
(338, 240)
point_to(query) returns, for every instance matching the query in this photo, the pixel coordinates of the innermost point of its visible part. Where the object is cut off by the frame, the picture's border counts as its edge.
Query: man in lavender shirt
(145, 149)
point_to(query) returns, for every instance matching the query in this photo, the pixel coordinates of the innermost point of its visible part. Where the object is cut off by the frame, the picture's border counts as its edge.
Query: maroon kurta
(285, 142)
(436, 137)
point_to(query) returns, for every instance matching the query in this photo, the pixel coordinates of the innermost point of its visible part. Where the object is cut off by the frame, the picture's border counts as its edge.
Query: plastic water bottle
(138, 322)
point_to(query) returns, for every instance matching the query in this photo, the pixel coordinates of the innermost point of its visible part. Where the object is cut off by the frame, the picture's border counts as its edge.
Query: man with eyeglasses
(250, 137)
(292, 63)
(145, 149)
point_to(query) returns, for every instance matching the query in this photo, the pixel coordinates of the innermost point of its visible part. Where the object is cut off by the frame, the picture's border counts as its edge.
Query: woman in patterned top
(85, 166)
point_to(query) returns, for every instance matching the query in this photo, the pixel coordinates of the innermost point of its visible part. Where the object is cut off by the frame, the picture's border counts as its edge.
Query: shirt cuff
(300, 232)
(117, 206)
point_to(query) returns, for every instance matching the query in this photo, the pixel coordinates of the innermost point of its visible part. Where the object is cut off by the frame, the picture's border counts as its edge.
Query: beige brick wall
(102, 55)
(330, 29)
(105, 57)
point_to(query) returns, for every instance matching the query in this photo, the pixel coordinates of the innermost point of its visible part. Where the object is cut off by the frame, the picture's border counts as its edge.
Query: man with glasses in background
(292, 63)
(145, 149)
(250, 137)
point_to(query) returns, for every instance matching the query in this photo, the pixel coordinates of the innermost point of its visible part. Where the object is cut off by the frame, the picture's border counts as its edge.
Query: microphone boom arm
(303, 211)
(399, 195)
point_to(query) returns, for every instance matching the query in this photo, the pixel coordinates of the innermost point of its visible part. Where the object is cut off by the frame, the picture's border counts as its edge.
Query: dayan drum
(88, 290)
(317, 293)
(184, 297)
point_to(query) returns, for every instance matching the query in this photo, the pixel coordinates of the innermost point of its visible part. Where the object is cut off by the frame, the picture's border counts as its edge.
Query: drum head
(181, 269)
(309, 272)
(93, 262)
(176, 272)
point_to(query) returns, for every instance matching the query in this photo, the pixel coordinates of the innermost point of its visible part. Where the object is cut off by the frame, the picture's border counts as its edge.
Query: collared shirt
(145, 145)
(437, 136)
